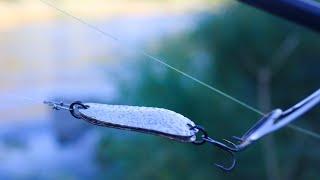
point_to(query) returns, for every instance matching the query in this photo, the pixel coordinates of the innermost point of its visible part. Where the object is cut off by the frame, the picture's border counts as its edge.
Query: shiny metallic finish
(149, 120)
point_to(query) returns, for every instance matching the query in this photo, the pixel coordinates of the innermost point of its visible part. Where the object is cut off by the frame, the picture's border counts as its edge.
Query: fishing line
(97, 29)
(304, 131)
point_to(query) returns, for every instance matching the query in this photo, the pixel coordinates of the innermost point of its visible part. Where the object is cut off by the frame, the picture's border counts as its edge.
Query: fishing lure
(169, 124)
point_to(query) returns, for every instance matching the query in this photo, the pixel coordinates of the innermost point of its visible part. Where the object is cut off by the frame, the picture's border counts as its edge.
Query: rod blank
(303, 12)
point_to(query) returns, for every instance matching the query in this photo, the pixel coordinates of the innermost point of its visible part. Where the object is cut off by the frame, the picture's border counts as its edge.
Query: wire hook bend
(226, 146)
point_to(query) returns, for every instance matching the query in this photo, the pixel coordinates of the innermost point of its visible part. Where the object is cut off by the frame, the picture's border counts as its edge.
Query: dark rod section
(304, 12)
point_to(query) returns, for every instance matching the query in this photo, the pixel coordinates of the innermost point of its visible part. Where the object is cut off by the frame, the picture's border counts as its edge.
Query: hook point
(231, 167)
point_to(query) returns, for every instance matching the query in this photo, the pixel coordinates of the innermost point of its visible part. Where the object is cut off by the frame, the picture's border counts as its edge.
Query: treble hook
(230, 149)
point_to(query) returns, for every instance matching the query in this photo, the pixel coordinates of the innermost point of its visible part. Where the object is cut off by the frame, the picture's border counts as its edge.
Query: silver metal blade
(150, 120)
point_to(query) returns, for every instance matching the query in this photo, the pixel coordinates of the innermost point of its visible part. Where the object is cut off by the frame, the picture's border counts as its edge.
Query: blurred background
(260, 59)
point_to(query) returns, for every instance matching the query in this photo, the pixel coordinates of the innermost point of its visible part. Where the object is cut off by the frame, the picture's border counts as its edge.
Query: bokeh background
(260, 59)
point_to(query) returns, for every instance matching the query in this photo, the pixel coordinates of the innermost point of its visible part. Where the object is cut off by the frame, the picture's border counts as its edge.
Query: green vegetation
(253, 56)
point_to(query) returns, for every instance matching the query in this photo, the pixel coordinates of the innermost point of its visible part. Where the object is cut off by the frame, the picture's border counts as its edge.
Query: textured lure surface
(150, 120)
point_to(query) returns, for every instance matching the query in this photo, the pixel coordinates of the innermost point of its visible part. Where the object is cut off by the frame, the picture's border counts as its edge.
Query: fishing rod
(303, 12)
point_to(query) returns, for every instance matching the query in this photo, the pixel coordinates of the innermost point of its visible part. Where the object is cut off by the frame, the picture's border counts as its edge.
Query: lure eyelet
(74, 106)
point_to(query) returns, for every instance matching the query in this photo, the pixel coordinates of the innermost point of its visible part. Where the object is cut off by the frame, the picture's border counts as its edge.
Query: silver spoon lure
(169, 124)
